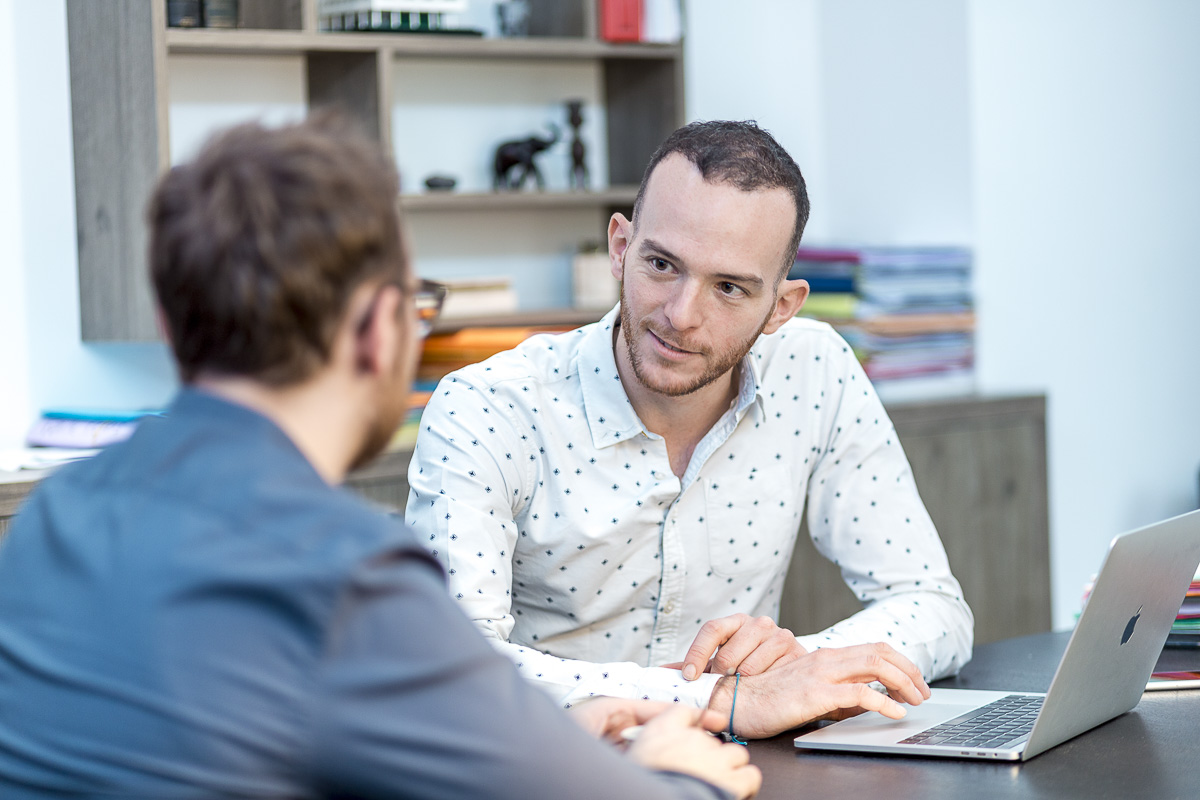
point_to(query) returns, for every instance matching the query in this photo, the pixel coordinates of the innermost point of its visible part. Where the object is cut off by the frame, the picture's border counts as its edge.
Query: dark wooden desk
(1151, 752)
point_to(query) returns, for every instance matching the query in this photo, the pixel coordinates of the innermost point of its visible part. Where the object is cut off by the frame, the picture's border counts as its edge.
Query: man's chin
(370, 451)
(678, 387)
(375, 442)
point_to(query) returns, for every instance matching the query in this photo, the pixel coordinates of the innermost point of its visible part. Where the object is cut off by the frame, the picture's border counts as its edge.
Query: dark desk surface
(1151, 752)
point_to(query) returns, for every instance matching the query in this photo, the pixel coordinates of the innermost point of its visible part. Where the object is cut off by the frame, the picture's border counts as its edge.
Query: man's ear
(788, 303)
(377, 334)
(620, 233)
(160, 322)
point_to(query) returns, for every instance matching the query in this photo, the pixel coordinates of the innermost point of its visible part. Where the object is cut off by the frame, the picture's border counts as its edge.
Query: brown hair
(258, 242)
(742, 155)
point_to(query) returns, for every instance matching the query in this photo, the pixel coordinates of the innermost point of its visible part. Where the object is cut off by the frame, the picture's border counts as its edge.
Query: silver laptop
(1102, 673)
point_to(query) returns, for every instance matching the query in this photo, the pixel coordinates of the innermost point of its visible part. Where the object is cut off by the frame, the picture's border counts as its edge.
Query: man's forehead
(686, 214)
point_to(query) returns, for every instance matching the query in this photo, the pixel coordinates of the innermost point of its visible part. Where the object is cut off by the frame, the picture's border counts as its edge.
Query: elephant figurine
(518, 154)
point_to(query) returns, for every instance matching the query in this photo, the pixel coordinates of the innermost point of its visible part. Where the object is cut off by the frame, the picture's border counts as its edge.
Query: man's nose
(684, 307)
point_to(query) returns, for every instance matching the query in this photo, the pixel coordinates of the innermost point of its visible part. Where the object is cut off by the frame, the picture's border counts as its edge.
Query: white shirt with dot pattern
(574, 547)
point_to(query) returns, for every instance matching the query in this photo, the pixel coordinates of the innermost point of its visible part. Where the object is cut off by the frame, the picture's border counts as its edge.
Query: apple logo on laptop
(1129, 626)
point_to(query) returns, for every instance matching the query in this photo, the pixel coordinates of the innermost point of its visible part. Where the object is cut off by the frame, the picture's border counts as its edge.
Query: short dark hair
(258, 242)
(741, 154)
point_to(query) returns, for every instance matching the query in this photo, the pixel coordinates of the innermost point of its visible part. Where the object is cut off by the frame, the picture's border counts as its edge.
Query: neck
(328, 440)
(681, 420)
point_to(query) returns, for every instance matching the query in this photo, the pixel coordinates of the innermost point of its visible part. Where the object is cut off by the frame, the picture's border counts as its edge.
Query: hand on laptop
(745, 644)
(824, 683)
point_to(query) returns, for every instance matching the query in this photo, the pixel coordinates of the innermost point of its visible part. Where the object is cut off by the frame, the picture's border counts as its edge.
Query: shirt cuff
(817, 641)
(650, 683)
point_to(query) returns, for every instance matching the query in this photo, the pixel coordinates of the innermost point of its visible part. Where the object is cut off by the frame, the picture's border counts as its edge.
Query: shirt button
(669, 608)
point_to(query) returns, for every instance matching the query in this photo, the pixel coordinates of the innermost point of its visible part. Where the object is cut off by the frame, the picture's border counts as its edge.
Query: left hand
(829, 683)
(745, 644)
(606, 717)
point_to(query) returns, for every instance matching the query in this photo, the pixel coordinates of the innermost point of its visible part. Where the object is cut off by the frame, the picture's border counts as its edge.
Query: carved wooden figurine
(518, 155)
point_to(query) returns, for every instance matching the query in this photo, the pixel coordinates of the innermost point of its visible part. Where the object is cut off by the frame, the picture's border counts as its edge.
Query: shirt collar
(750, 387)
(610, 415)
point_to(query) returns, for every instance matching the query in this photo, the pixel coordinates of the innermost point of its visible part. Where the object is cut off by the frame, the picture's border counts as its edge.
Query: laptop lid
(1102, 673)
(1121, 631)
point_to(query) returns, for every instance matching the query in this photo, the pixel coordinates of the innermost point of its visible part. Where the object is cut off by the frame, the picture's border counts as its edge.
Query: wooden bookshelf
(119, 70)
(406, 45)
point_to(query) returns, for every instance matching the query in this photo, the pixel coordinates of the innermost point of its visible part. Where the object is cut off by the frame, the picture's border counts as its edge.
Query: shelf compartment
(224, 42)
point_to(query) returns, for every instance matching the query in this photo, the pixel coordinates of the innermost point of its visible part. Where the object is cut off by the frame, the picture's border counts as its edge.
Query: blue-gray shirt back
(195, 612)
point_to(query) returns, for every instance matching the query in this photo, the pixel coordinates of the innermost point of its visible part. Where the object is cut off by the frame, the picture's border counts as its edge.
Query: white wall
(763, 65)
(61, 369)
(1087, 197)
(1058, 139)
(895, 114)
(15, 407)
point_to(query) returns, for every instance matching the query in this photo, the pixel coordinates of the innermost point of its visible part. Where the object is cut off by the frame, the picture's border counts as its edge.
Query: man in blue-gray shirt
(199, 612)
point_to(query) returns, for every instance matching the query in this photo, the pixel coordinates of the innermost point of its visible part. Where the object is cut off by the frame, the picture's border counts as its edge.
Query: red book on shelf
(621, 20)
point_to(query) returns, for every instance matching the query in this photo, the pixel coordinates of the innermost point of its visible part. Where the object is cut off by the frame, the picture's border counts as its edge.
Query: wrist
(721, 699)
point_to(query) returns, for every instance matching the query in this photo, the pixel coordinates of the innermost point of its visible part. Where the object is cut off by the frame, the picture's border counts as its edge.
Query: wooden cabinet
(980, 466)
(119, 73)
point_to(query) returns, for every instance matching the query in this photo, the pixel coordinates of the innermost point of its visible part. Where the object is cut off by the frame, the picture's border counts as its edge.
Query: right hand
(822, 684)
(673, 742)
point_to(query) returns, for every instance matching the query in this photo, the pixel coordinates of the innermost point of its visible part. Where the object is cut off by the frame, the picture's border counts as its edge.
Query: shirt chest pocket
(751, 523)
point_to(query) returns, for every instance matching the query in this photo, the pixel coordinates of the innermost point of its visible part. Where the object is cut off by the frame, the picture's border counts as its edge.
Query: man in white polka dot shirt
(617, 504)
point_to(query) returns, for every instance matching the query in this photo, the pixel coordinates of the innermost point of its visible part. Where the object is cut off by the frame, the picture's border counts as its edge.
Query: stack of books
(906, 311)
(84, 428)
(475, 297)
(62, 435)
(830, 275)
(1185, 632)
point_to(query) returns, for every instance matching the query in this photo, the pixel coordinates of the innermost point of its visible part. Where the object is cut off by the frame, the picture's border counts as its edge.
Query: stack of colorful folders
(908, 313)
(1186, 630)
(84, 428)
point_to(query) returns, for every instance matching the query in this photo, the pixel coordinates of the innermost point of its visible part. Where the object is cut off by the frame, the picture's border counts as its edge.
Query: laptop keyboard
(993, 725)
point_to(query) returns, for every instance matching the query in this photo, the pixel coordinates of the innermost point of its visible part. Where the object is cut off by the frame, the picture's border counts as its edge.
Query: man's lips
(670, 348)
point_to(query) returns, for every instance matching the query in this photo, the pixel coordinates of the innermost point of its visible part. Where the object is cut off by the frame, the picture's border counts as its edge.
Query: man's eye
(659, 264)
(731, 289)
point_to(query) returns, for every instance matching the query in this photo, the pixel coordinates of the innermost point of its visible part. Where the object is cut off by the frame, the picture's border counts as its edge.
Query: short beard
(377, 438)
(387, 415)
(717, 365)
